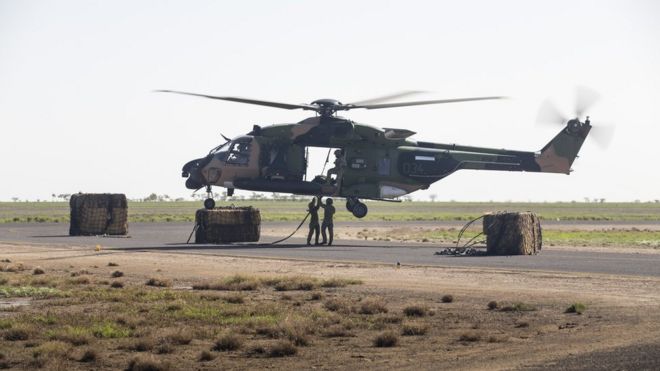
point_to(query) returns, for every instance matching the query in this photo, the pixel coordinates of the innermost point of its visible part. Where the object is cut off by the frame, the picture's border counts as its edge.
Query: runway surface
(171, 238)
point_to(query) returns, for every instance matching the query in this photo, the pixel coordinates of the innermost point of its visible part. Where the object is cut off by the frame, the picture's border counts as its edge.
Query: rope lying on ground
(468, 248)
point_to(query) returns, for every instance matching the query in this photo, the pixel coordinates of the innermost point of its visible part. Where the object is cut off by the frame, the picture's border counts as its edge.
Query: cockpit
(234, 152)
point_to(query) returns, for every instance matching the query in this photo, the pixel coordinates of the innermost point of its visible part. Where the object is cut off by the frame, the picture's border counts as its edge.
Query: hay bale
(228, 224)
(512, 233)
(97, 214)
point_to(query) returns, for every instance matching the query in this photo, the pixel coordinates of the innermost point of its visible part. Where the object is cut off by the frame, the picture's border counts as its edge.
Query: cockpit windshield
(239, 152)
(221, 148)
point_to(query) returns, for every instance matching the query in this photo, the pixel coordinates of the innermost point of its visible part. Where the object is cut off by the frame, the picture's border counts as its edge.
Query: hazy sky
(77, 112)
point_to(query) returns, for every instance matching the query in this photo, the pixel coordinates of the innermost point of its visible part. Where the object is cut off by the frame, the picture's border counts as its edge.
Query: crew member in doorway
(313, 209)
(328, 214)
(340, 163)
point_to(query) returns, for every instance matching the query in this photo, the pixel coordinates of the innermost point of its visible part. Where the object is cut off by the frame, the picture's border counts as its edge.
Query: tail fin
(558, 155)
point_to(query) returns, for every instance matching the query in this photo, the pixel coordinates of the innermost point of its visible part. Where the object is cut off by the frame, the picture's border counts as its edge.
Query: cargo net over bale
(509, 233)
(227, 224)
(98, 214)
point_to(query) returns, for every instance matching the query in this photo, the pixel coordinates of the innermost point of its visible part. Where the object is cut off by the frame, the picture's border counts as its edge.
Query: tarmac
(171, 238)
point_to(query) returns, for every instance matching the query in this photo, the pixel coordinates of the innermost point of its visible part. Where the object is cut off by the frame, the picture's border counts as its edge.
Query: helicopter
(371, 163)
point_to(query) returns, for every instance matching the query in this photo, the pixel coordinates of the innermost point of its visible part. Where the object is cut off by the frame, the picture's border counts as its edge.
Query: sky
(78, 111)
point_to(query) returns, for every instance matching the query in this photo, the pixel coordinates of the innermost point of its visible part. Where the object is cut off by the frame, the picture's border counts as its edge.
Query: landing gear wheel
(209, 203)
(359, 210)
(350, 203)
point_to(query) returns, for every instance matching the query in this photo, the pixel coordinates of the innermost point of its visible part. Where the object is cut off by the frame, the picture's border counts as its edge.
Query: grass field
(28, 212)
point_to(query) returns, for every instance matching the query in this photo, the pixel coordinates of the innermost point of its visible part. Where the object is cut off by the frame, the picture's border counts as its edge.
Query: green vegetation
(184, 211)
(577, 308)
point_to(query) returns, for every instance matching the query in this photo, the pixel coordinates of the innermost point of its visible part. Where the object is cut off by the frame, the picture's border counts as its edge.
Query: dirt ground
(531, 331)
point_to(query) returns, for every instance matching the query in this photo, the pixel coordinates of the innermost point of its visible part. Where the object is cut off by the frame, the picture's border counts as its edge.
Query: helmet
(328, 201)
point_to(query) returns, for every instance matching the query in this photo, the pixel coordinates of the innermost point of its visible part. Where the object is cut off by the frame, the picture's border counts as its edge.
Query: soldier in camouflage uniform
(328, 214)
(314, 228)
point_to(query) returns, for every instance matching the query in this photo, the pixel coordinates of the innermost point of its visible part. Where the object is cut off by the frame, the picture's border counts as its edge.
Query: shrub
(414, 329)
(492, 305)
(142, 345)
(386, 339)
(415, 310)
(117, 285)
(227, 342)
(73, 335)
(282, 348)
(17, 334)
(38, 270)
(316, 296)
(146, 363)
(337, 305)
(111, 264)
(206, 356)
(339, 282)
(235, 298)
(233, 283)
(81, 280)
(117, 274)
(158, 282)
(164, 348)
(470, 337)
(447, 299)
(179, 337)
(576, 308)
(372, 306)
(336, 331)
(518, 307)
(89, 355)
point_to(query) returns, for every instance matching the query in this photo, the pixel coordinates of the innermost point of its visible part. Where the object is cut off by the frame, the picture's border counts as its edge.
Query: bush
(414, 329)
(117, 274)
(142, 345)
(158, 282)
(233, 283)
(337, 305)
(73, 335)
(518, 307)
(144, 363)
(89, 355)
(415, 311)
(282, 348)
(81, 280)
(235, 299)
(117, 285)
(179, 337)
(336, 331)
(576, 308)
(447, 299)
(38, 270)
(470, 337)
(111, 264)
(492, 305)
(227, 342)
(316, 296)
(372, 306)
(206, 356)
(17, 334)
(386, 340)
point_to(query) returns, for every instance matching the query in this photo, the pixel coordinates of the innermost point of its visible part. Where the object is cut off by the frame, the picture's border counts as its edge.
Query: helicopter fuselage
(374, 163)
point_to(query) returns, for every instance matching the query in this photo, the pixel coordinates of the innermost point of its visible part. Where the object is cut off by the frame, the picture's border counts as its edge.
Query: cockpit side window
(239, 153)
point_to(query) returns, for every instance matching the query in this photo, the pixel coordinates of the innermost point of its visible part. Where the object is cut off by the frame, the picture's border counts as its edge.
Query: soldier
(328, 213)
(313, 209)
(340, 163)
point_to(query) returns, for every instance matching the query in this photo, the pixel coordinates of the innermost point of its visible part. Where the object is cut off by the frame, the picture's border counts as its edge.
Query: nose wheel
(357, 208)
(209, 203)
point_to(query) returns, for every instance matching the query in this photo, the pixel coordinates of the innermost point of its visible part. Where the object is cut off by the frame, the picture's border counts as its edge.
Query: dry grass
(17, 334)
(282, 348)
(117, 285)
(337, 331)
(234, 298)
(111, 264)
(469, 337)
(518, 307)
(206, 356)
(147, 363)
(142, 345)
(338, 305)
(416, 310)
(414, 329)
(89, 355)
(38, 270)
(80, 280)
(117, 274)
(158, 282)
(492, 305)
(227, 342)
(373, 306)
(386, 340)
(447, 298)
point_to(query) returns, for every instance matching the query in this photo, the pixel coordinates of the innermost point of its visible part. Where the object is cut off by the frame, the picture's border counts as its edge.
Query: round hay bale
(96, 214)
(228, 224)
(512, 233)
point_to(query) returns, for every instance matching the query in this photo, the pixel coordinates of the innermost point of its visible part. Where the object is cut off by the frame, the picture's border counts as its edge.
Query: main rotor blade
(422, 102)
(384, 98)
(550, 114)
(246, 100)
(584, 98)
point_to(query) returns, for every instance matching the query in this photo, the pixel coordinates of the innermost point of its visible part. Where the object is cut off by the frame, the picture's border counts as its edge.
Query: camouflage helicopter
(371, 163)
